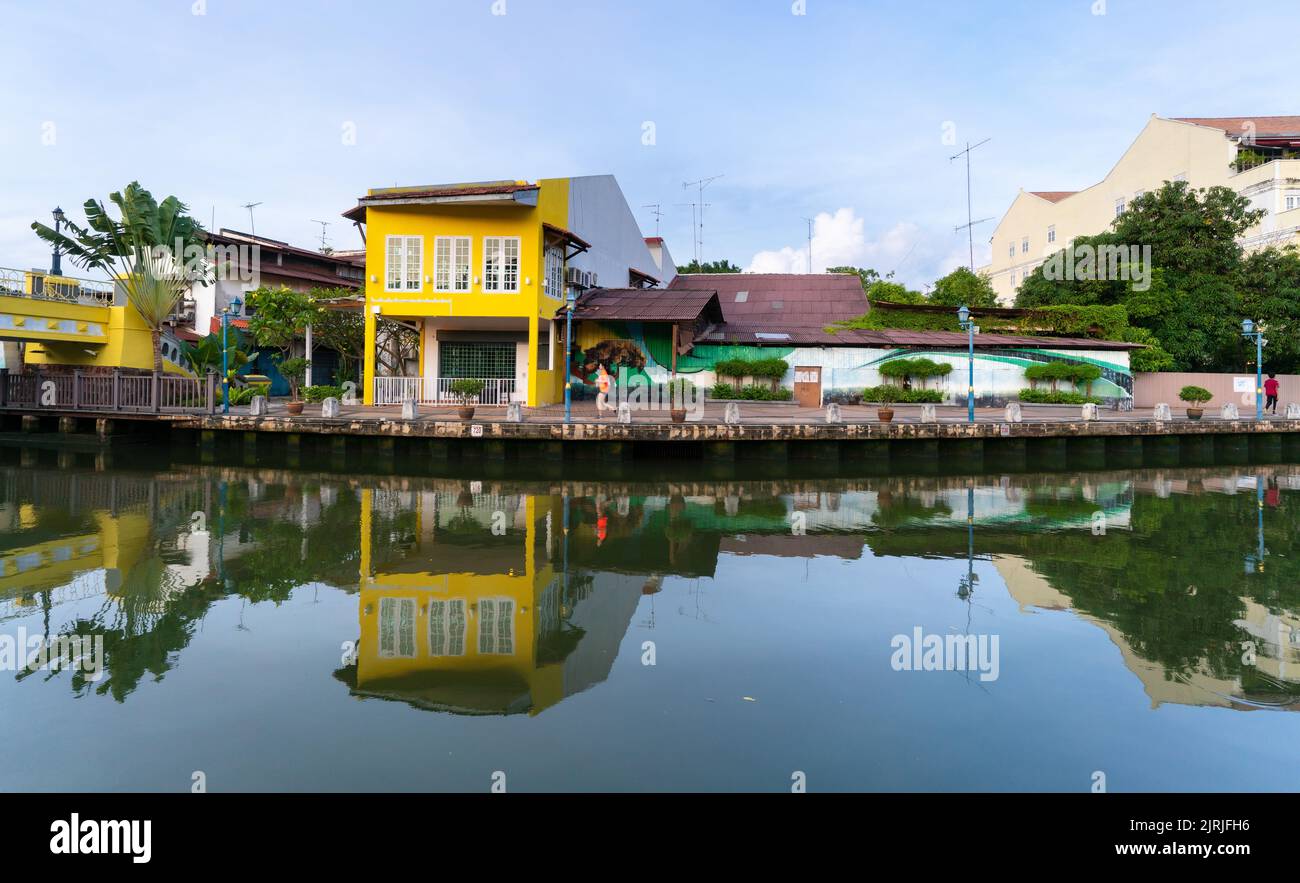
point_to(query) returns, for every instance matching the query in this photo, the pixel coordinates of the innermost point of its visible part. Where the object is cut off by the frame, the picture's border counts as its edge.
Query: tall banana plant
(154, 250)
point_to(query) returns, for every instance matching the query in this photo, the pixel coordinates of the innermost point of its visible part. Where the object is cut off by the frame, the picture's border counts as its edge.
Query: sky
(846, 112)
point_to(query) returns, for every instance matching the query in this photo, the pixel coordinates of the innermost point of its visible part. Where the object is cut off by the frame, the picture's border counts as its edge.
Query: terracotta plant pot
(886, 415)
(1195, 413)
(466, 412)
(678, 415)
(294, 408)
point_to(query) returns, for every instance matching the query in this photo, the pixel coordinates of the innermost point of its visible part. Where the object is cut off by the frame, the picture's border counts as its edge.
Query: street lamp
(1248, 330)
(572, 300)
(56, 266)
(964, 319)
(235, 306)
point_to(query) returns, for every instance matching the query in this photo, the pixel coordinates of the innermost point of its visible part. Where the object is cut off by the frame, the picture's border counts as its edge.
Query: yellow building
(1251, 155)
(479, 271)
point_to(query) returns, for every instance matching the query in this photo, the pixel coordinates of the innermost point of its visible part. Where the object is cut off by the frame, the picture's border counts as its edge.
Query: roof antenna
(324, 248)
(250, 206)
(657, 213)
(810, 231)
(699, 236)
(969, 226)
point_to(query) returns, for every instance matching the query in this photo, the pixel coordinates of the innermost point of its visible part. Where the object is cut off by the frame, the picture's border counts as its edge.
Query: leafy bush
(466, 389)
(771, 369)
(244, 395)
(1047, 397)
(722, 391)
(321, 393)
(903, 396)
(1195, 395)
(921, 368)
(750, 393)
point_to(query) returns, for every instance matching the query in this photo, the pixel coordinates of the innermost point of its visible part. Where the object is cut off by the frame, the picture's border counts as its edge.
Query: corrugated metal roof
(816, 299)
(762, 335)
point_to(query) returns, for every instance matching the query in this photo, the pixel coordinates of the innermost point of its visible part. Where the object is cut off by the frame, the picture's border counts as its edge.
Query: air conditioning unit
(595, 280)
(573, 276)
(587, 277)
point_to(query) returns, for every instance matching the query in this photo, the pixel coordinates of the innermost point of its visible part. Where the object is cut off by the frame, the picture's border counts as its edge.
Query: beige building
(1252, 155)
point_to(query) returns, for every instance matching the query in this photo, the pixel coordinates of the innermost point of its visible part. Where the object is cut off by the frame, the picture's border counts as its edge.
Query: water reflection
(502, 597)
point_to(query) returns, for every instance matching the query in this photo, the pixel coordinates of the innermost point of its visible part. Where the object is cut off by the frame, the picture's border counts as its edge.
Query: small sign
(1006, 429)
(476, 431)
(1243, 384)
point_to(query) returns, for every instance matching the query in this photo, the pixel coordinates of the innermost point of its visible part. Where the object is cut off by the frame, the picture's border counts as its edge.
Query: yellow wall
(477, 222)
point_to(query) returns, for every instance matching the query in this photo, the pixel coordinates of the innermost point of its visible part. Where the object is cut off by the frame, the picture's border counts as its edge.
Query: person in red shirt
(1271, 390)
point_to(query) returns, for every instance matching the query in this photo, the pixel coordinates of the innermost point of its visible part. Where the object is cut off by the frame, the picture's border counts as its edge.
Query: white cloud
(839, 240)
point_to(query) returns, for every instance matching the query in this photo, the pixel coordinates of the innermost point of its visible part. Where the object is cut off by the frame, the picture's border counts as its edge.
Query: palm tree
(150, 250)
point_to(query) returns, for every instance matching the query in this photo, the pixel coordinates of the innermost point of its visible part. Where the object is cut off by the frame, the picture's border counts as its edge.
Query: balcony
(497, 391)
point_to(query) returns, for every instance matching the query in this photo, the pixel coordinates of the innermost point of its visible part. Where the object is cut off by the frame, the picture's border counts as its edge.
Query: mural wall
(645, 350)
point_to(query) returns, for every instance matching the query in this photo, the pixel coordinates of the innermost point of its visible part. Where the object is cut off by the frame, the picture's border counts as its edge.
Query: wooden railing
(114, 393)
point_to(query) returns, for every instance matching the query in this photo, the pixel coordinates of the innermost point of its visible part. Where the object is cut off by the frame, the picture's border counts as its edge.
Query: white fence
(437, 391)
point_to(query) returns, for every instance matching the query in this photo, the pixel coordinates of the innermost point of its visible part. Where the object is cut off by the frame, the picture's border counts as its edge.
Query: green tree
(279, 316)
(722, 266)
(343, 331)
(154, 249)
(1270, 294)
(962, 287)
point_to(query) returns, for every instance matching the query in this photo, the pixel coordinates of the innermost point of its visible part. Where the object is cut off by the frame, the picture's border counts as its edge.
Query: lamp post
(56, 265)
(1248, 330)
(235, 306)
(572, 299)
(963, 317)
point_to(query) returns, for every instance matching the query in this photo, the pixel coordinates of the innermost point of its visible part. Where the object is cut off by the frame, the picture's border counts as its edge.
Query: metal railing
(497, 391)
(108, 393)
(64, 289)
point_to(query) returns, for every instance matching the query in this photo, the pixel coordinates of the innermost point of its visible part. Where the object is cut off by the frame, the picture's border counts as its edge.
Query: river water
(274, 629)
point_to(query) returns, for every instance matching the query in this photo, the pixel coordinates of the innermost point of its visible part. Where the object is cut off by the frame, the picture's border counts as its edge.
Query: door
(808, 386)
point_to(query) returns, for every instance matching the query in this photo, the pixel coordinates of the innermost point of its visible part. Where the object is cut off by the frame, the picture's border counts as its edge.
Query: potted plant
(886, 395)
(1195, 396)
(467, 390)
(677, 393)
(294, 370)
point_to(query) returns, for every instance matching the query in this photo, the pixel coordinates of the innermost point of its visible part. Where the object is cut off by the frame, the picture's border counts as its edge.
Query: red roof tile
(1053, 195)
(1261, 127)
(647, 305)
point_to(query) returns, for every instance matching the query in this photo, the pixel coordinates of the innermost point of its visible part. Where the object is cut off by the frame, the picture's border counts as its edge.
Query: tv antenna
(699, 225)
(810, 232)
(969, 226)
(252, 229)
(656, 211)
(323, 224)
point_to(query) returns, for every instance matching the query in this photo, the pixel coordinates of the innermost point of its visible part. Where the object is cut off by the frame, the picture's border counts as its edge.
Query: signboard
(1243, 384)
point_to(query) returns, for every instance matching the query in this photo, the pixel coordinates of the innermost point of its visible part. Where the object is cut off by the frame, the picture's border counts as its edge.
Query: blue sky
(838, 113)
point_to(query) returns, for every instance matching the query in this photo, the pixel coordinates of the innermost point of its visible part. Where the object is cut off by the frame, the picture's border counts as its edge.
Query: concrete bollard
(1230, 412)
(329, 407)
(1014, 414)
(410, 409)
(257, 408)
(514, 413)
(731, 414)
(1163, 412)
(624, 412)
(929, 414)
(1293, 411)
(1090, 411)
(833, 413)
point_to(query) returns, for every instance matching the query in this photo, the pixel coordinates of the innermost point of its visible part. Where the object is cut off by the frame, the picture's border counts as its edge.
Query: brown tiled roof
(567, 236)
(647, 305)
(358, 212)
(782, 299)
(1053, 195)
(1263, 127)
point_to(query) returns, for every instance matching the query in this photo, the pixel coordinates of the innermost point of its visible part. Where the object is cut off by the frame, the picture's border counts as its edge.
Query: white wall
(599, 213)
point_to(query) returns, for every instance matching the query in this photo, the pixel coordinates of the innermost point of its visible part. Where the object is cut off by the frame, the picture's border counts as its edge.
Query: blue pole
(970, 368)
(225, 367)
(568, 373)
(1259, 375)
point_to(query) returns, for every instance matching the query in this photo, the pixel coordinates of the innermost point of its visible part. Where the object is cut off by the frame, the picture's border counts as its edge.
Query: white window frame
(406, 281)
(1011, 251)
(490, 643)
(1120, 206)
(450, 640)
(553, 280)
(397, 606)
(1291, 201)
(453, 245)
(1024, 245)
(495, 246)
(1051, 234)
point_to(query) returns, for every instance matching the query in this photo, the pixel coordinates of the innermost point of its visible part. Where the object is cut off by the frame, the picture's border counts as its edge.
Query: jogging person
(1271, 390)
(603, 383)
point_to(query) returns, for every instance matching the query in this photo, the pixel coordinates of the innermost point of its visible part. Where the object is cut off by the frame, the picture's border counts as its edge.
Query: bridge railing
(65, 289)
(108, 393)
